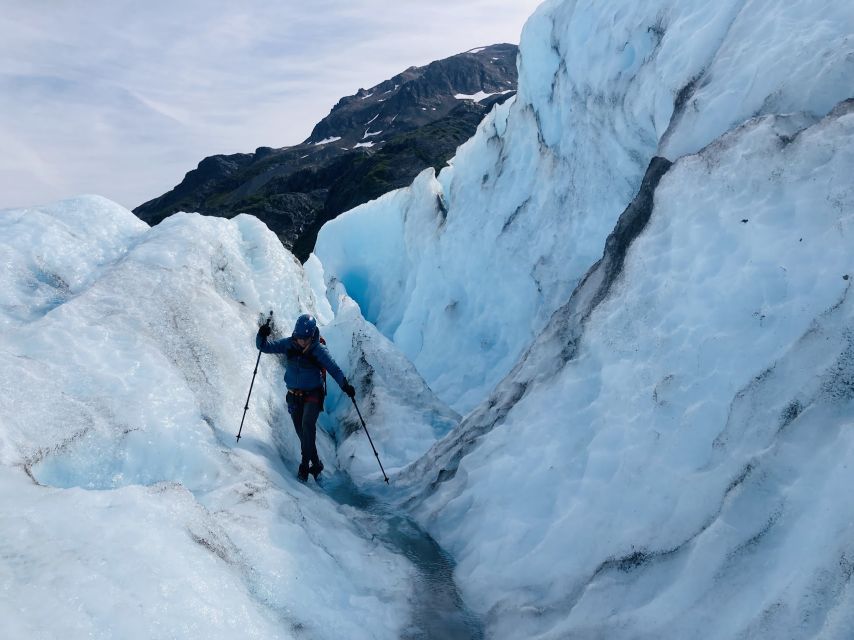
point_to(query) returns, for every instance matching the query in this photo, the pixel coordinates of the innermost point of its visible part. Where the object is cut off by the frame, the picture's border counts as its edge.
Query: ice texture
(126, 508)
(634, 281)
(670, 460)
(485, 254)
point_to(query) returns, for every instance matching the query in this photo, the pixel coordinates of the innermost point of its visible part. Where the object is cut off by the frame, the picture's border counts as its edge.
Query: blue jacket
(301, 372)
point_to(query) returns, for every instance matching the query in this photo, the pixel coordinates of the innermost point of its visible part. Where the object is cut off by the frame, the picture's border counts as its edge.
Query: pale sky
(122, 98)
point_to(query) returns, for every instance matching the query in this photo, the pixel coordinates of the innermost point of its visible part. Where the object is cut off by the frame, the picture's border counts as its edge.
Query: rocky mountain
(371, 142)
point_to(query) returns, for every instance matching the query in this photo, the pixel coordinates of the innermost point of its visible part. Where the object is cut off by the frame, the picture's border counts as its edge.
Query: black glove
(264, 331)
(348, 389)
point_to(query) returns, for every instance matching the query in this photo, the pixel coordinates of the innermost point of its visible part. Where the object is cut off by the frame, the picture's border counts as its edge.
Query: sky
(121, 98)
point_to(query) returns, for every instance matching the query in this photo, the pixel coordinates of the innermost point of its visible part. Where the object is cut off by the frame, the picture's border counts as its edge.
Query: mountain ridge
(371, 142)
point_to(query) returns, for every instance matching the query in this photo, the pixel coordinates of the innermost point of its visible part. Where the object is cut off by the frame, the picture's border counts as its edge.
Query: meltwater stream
(438, 611)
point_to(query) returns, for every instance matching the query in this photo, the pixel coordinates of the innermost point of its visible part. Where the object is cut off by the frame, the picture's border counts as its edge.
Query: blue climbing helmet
(305, 327)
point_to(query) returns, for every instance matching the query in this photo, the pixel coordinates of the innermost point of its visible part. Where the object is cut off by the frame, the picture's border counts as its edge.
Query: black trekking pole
(385, 477)
(246, 408)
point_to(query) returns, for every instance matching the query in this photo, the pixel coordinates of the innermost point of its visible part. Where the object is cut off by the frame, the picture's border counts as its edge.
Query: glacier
(476, 260)
(686, 433)
(606, 356)
(127, 508)
(633, 283)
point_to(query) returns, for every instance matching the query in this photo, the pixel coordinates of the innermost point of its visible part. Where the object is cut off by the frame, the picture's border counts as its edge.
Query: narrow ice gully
(629, 297)
(127, 510)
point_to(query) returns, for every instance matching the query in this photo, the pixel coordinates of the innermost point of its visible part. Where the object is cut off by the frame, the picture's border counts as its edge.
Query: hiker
(305, 377)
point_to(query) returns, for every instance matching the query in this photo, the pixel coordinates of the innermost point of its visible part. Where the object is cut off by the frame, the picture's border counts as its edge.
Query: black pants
(304, 411)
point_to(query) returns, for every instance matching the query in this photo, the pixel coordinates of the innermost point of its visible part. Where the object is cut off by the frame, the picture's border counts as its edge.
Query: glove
(348, 389)
(264, 331)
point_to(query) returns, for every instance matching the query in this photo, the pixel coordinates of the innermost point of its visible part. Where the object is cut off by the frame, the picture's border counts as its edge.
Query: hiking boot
(302, 473)
(315, 469)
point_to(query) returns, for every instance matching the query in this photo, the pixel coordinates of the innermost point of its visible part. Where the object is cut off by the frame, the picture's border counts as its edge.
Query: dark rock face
(370, 143)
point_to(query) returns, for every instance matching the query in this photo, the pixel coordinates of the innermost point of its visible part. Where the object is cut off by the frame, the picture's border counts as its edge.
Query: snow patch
(480, 95)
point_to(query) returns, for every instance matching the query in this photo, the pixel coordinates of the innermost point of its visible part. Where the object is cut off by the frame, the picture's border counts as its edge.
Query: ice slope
(464, 270)
(126, 509)
(672, 456)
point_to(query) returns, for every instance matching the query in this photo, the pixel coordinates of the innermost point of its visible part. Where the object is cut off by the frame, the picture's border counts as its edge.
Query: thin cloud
(122, 98)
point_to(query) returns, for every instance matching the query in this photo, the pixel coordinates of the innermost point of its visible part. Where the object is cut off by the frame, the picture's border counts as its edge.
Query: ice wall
(655, 360)
(666, 460)
(464, 270)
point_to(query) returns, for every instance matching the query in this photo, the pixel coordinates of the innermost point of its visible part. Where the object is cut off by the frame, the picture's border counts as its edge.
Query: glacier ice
(655, 438)
(126, 354)
(474, 262)
(606, 356)
(684, 461)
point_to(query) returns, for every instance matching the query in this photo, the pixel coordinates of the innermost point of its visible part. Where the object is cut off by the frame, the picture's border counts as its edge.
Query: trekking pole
(246, 408)
(385, 477)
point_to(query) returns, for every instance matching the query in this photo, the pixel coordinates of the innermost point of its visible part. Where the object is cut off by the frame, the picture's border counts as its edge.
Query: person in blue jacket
(306, 357)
